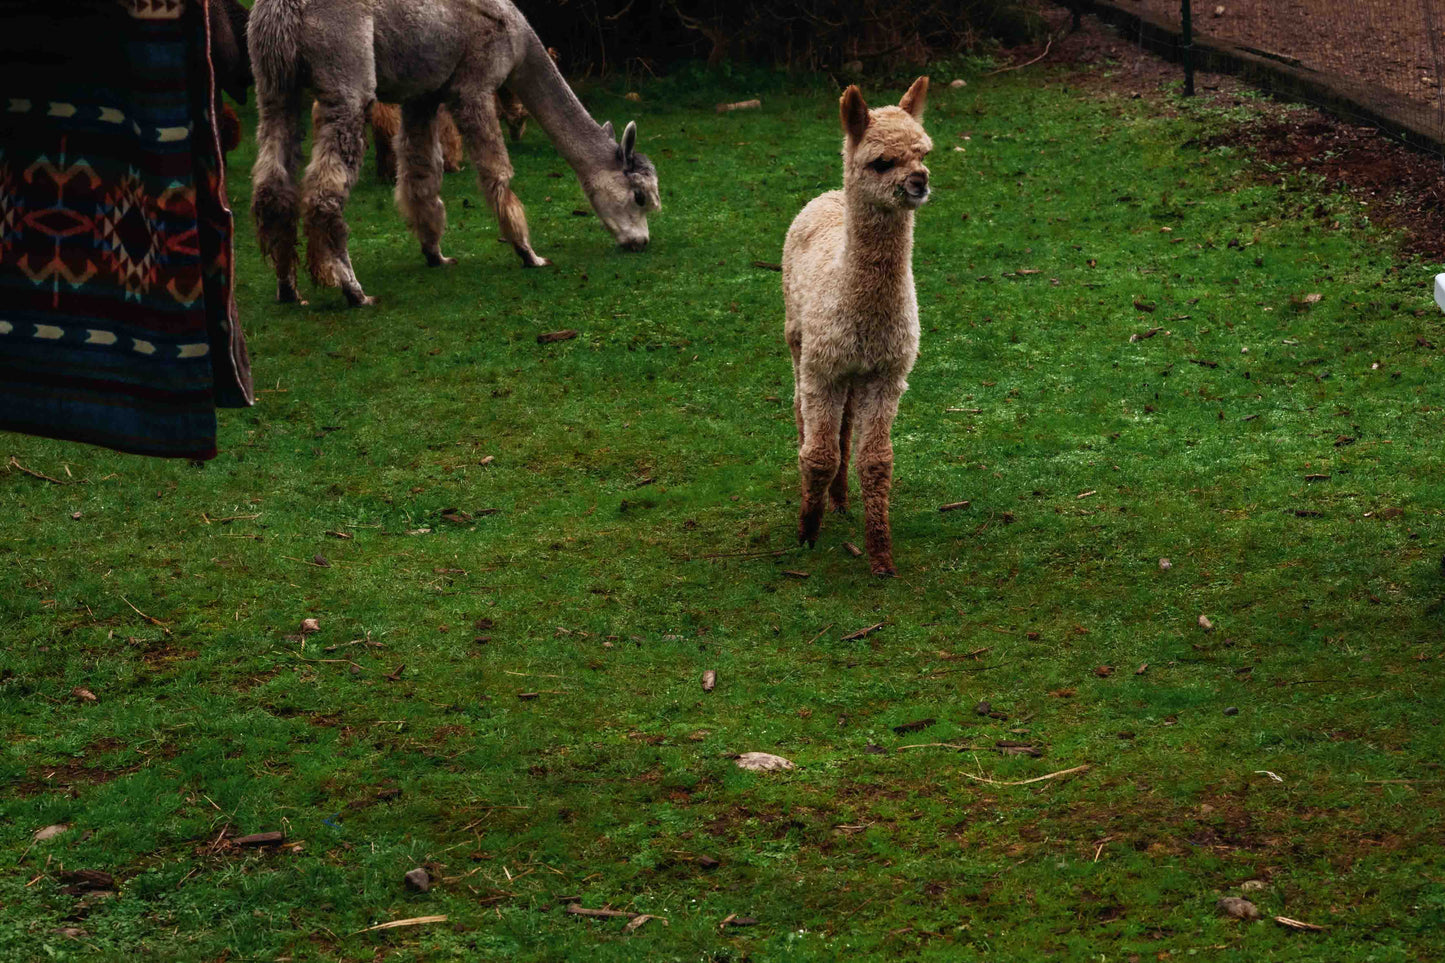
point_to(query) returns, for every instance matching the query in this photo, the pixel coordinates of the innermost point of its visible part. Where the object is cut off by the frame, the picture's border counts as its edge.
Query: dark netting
(1382, 57)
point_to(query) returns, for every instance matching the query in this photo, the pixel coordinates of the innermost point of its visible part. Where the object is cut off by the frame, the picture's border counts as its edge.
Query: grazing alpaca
(852, 314)
(422, 54)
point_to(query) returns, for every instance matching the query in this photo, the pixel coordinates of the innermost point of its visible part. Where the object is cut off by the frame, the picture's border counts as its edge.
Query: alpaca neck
(544, 92)
(878, 250)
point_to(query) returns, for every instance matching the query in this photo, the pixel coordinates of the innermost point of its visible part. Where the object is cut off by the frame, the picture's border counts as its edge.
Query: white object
(1440, 291)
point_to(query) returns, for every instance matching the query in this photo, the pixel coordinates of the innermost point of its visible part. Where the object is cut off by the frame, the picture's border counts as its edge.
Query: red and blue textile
(118, 323)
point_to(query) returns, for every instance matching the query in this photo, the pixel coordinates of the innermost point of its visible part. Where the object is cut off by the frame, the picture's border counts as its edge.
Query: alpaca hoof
(808, 532)
(539, 262)
(287, 294)
(437, 260)
(840, 508)
(884, 570)
(365, 301)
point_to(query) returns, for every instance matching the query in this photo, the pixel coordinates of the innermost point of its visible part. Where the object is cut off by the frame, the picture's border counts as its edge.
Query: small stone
(633, 96)
(1253, 885)
(1232, 711)
(1219, 10)
(1165, 565)
(1240, 909)
(308, 626)
(763, 762)
(1205, 624)
(957, 82)
(418, 880)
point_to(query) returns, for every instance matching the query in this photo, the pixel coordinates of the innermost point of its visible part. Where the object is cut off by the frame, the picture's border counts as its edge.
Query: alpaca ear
(913, 101)
(607, 129)
(629, 141)
(854, 113)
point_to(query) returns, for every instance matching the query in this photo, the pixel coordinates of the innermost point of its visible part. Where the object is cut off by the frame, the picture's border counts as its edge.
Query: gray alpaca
(421, 53)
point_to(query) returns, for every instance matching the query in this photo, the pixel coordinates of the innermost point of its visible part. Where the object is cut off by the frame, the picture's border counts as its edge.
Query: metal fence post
(1187, 47)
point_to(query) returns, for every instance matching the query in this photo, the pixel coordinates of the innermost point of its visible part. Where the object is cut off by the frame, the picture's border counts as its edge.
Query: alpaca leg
(512, 112)
(385, 120)
(451, 141)
(877, 407)
(838, 490)
(797, 350)
(818, 457)
(339, 143)
(275, 202)
(419, 179)
(476, 118)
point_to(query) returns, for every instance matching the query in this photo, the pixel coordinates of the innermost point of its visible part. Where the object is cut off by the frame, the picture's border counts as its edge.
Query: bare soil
(1403, 187)
(1384, 42)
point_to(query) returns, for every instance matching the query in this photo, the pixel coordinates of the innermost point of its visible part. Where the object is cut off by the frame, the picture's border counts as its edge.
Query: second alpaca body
(852, 313)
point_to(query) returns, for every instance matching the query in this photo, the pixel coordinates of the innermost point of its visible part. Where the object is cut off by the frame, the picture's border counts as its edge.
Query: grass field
(473, 517)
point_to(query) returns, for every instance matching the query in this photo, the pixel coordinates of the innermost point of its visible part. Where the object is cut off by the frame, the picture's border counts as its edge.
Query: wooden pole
(1187, 46)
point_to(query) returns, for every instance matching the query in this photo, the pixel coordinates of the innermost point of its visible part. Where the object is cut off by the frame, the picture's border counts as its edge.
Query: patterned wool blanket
(118, 323)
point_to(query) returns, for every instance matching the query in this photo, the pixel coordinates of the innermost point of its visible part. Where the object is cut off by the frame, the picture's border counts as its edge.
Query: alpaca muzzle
(916, 187)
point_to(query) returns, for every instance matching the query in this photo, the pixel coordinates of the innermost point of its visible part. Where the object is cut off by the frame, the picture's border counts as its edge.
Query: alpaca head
(625, 190)
(883, 149)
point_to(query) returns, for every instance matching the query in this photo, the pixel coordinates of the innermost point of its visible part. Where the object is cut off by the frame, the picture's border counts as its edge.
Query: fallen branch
(35, 474)
(1025, 782)
(739, 105)
(150, 619)
(1041, 56)
(941, 745)
(414, 921)
(577, 909)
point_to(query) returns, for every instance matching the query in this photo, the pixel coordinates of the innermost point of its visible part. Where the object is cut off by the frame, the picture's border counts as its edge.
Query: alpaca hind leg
(275, 201)
(419, 179)
(385, 121)
(838, 490)
(877, 407)
(451, 142)
(818, 457)
(339, 143)
(797, 350)
(476, 118)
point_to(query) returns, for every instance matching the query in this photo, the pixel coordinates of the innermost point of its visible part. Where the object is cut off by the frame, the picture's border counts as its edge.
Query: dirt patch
(1402, 187)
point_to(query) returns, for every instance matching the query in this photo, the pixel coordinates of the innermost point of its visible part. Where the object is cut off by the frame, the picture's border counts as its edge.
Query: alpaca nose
(918, 182)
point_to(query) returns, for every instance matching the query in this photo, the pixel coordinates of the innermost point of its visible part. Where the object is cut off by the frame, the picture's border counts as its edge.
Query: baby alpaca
(852, 313)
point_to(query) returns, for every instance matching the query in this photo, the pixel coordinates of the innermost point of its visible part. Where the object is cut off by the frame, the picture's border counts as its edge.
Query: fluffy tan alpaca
(852, 314)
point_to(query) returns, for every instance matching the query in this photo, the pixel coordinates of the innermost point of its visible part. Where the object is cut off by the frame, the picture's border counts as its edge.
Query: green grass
(663, 435)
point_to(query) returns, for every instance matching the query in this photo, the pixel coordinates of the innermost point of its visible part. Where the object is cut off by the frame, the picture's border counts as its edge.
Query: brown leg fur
(419, 178)
(338, 145)
(818, 458)
(275, 202)
(877, 407)
(385, 120)
(451, 141)
(476, 118)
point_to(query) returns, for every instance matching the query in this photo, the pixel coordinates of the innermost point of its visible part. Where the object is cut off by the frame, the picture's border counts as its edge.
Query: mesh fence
(1384, 54)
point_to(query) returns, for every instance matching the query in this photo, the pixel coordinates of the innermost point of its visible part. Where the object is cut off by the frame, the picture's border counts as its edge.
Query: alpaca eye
(882, 165)
(640, 198)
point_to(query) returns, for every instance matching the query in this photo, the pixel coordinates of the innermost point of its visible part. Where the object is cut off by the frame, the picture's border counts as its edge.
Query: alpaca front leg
(419, 179)
(818, 457)
(339, 143)
(476, 118)
(877, 407)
